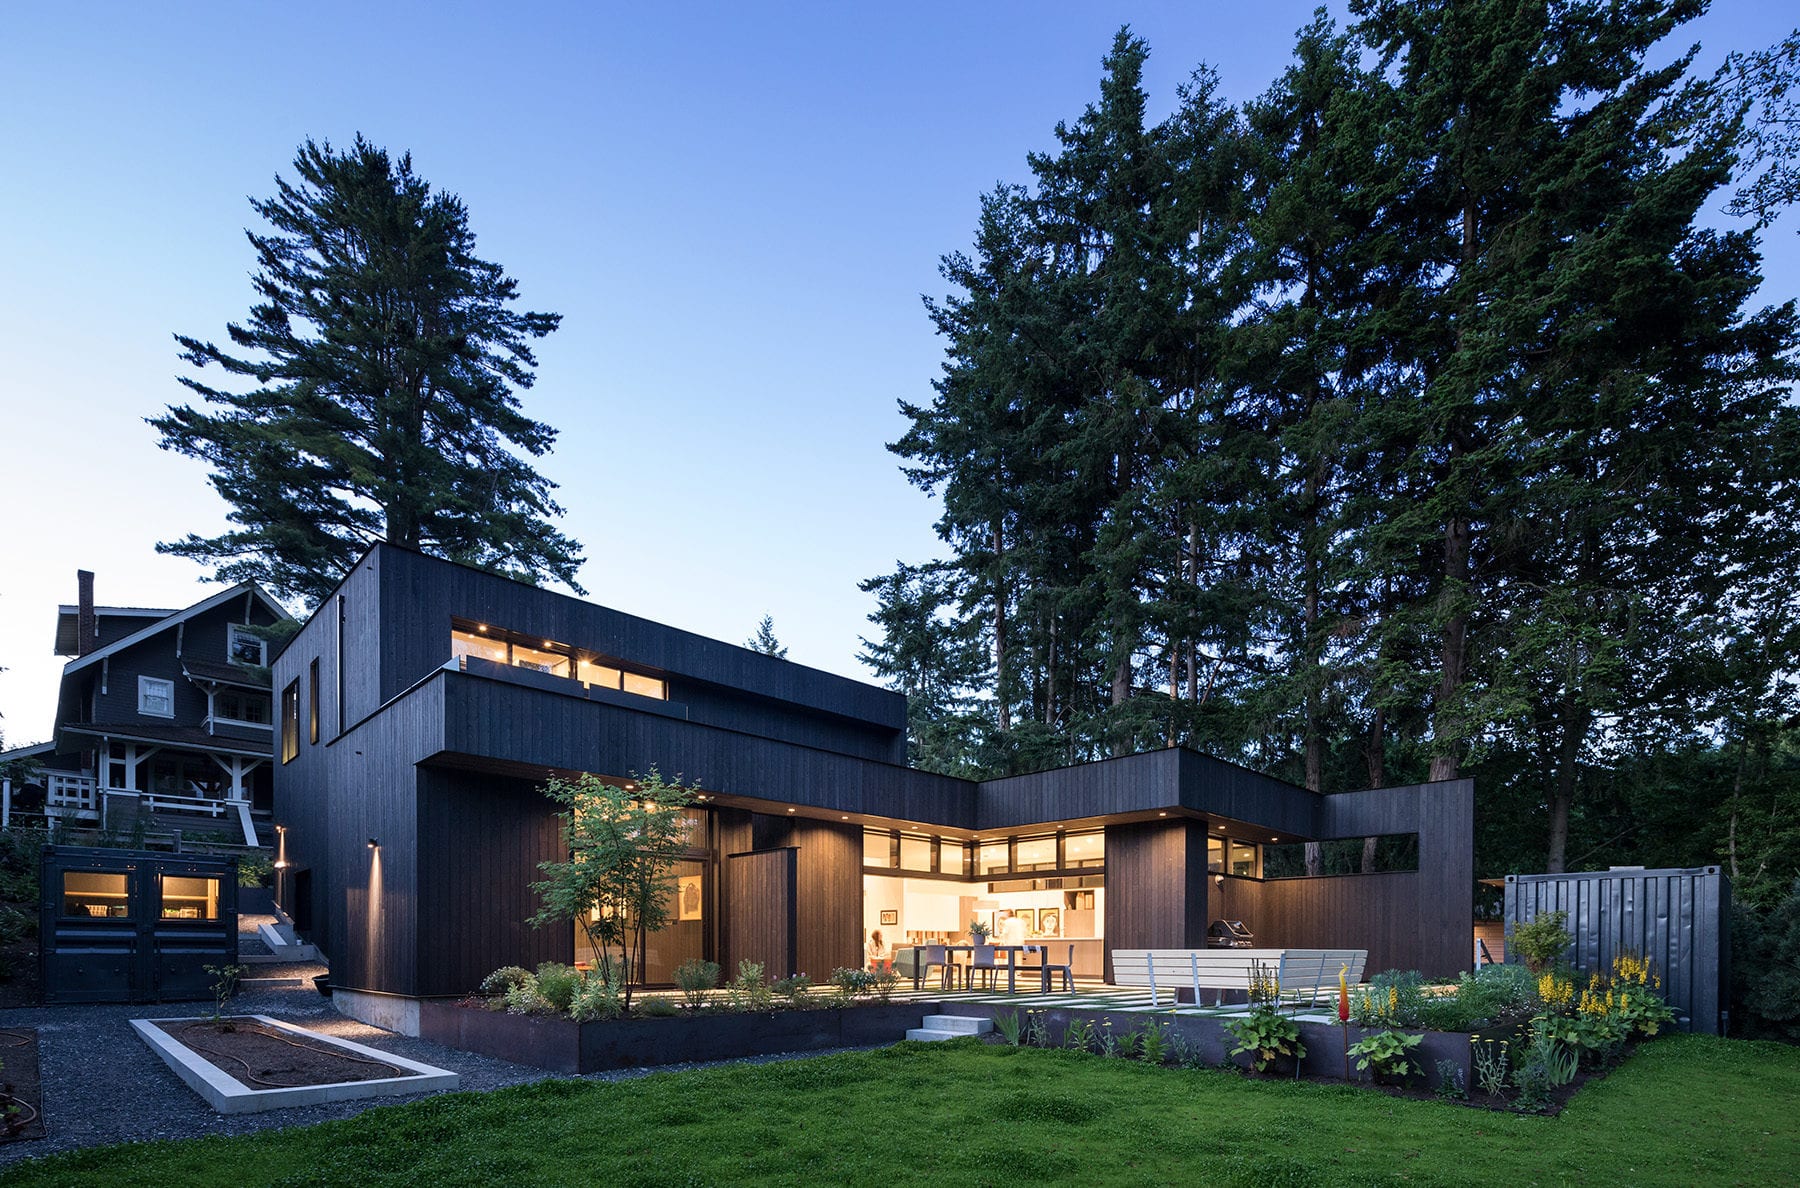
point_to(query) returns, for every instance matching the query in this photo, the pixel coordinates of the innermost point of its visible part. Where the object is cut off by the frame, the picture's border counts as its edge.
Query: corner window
(243, 646)
(156, 697)
(290, 721)
(1243, 861)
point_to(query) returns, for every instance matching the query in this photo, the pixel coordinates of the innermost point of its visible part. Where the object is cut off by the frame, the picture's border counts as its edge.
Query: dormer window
(243, 646)
(156, 697)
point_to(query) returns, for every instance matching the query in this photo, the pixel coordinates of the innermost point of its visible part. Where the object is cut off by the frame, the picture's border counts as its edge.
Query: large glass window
(479, 644)
(93, 893)
(878, 848)
(1243, 860)
(683, 939)
(188, 897)
(1085, 849)
(1380, 854)
(645, 686)
(544, 659)
(994, 858)
(1036, 853)
(591, 673)
(1215, 855)
(915, 853)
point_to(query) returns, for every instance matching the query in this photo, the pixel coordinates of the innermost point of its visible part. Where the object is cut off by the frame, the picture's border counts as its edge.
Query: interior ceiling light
(790, 810)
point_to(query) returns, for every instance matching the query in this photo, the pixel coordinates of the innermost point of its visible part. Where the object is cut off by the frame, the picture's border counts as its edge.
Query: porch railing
(70, 791)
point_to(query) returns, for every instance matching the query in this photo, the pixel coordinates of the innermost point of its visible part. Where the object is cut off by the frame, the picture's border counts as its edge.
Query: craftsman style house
(424, 704)
(162, 717)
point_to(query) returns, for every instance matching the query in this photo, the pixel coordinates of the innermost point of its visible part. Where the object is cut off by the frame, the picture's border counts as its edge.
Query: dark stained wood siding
(506, 720)
(1153, 781)
(718, 682)
(762, 887)
(481, 839)
(1407, 920)
(1155, 886)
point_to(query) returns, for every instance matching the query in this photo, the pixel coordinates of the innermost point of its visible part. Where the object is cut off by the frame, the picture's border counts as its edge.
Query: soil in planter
(263, 1057)
(21, 1108)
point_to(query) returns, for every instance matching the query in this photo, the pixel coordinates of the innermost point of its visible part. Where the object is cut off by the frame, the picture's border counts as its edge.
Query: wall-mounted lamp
(374, 845)
(1219, 881)
(281, 864)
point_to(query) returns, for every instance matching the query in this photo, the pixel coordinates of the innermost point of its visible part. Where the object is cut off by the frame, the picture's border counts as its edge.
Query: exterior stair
(948, 1027)
(284, 947)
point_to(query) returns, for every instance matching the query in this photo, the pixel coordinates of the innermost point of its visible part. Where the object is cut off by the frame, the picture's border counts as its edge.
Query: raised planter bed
(562, 1045)
(313, 1068)
(1206, 1034)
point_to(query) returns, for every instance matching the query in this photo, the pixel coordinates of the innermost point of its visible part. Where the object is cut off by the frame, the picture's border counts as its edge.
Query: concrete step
(929, 1035)
(959, 1024)
(283, 944)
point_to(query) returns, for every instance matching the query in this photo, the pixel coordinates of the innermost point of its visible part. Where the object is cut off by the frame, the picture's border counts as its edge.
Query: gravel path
(102, 1084)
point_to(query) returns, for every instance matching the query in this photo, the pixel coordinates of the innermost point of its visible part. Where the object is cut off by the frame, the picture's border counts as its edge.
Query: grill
(1229, 934)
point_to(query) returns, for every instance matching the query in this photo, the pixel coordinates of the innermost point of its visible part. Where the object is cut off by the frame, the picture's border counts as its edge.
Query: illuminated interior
(487, 642)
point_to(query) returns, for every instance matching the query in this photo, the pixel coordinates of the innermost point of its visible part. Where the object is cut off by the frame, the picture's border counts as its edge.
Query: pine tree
(764, 640)
(386, 359)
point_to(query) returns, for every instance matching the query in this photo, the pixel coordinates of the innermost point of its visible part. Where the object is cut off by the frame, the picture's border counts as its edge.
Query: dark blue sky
(735, 209)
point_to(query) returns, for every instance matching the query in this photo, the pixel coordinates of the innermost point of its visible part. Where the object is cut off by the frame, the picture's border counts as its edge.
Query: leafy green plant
(505, 978)
(796, 991)
(658, 1008)
(523, 998)
(1079, 1036)
(1037, 1031)
(1541, 942)
(696, 979)
(556, 984)
(1450, 1084)
(851, 984)
(1387, 1053)
(747, 991)
(1153, 1042)
(1268, 1035)
(1010, 1027)
(595, 998)
(1264, 984)
(886, 981)
(254, 870)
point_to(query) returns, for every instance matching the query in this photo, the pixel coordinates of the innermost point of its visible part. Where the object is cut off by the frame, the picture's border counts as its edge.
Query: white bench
(1304, 975)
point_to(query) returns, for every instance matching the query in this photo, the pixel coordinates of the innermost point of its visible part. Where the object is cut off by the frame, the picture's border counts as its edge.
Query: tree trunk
(1000, 682)
(1446, 730)
(1575, 728)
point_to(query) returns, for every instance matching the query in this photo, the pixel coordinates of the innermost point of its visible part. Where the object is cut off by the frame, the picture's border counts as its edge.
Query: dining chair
(938, 956)
(982, 962)
(1067, 970)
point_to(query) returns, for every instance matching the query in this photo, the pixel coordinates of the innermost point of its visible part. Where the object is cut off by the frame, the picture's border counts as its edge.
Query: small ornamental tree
(617, 883)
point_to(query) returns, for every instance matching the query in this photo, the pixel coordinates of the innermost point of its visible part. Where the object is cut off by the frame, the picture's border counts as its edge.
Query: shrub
(1392, 998)
(885, 982)
(657, 1008)
(747, 991)
(851, 984)
(1268, 1035)
(254, 870)
(1010, 1027)
(696, 979)
(524, 999)
(505, 978)
(557, 983)
(1765, 970)
(794, 990)
(596, 998)
(1541, 942)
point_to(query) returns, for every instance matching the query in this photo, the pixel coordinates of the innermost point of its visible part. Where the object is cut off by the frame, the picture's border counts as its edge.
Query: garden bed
(248, 1063)
(562, 1045)
(21, 1101)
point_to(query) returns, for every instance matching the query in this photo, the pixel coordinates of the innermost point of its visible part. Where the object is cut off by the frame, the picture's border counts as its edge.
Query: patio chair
(1067, 969)
(982, 962)
(930, 955)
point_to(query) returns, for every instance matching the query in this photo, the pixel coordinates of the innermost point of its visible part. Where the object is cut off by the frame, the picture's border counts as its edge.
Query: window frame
(290, 721)
(312, 703)
(235, 631)
(144, 684)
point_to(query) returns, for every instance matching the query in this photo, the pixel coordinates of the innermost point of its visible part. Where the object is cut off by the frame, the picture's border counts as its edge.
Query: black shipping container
(134, 925)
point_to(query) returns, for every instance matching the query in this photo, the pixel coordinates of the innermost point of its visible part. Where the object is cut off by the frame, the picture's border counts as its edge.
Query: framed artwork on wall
(1049, 922)
(688, 897)
(890, 916)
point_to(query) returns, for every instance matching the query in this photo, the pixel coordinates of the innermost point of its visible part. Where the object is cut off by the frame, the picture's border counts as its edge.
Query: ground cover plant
(1687, 1110)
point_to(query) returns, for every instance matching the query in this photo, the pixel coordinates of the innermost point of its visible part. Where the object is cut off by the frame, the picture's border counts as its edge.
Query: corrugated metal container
(1680, 919)
(133, 925)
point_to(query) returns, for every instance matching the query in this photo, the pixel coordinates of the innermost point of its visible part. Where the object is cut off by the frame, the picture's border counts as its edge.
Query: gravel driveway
(102, 1084)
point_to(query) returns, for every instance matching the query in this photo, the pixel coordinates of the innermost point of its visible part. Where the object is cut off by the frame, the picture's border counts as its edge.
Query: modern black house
(162, 716)
(424, 704)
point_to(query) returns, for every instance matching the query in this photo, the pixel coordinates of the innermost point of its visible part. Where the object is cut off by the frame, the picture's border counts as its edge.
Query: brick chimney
(87, 624)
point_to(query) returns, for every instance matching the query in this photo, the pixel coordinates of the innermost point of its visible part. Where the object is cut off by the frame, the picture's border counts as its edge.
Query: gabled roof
(177, 617)
(67, 622)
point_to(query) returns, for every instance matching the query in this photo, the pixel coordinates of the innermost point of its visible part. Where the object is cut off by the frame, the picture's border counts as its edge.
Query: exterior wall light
(374, 845)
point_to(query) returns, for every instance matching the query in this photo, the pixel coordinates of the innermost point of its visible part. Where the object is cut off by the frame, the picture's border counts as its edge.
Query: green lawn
(1686, 1110)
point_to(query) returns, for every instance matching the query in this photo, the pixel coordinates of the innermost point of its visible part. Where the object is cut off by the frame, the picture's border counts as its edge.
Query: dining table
(1013, 953)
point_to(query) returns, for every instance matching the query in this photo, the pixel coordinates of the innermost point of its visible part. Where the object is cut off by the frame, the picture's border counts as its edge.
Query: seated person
(877, 952)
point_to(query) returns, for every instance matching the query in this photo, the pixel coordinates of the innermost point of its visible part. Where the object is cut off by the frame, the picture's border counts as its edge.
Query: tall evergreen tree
(386, 358)
(764, 640)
